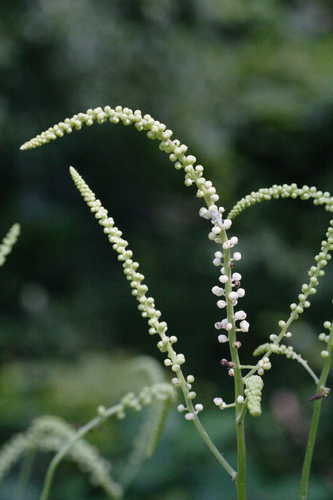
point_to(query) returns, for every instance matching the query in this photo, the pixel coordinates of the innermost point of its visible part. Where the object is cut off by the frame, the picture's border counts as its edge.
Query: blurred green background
(248, 85)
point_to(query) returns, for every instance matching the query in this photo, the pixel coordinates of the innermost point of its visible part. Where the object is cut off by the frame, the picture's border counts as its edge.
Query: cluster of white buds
(233, 296)
(263, 365)
(315, 272)
(146, 304)
(190, 413)
(282, 349)
(154, 129)
(8, 242)
(135, 402)
(229, 289)
(326, 353)
(284, 191)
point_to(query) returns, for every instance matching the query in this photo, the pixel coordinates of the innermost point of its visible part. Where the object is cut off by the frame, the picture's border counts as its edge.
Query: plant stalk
(322, 392)
(239, 388)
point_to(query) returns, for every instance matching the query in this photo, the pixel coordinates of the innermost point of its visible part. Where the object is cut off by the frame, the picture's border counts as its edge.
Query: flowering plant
(232, 328)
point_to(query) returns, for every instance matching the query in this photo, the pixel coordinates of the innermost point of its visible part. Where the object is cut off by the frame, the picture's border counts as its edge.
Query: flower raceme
(8, 242)
(228, 290)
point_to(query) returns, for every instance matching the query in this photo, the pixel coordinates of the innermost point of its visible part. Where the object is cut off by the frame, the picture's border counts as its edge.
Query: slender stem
(202, 431)
(238, 385)
(323, 391)
(306, 366)
(219, 457)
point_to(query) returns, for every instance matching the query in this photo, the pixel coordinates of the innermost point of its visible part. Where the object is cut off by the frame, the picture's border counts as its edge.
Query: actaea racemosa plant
(233, 326)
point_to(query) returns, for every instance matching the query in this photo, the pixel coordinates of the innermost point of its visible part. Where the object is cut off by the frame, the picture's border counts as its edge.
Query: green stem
(202, 431)
(239, 387)
(321, 390)
(219, 457)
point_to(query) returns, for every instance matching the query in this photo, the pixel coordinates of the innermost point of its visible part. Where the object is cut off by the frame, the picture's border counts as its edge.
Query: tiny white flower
(236, 276)
(221, 304)
(218, 401)
(237, 256)
(223, 278)
(240, 315)
(216, 290)
(180, 408)
(224, 323)
(203, 212)
(240, 292)
(227, 224)
(222, 339)
(189, 416)
(244, 326)
(233, 296)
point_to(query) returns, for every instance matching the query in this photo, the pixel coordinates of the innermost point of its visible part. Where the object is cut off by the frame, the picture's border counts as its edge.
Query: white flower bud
(227, 224)
(203, 212)
(189, 416)
(240, 315)
(244, 326)
(216, 290)
(221, 304)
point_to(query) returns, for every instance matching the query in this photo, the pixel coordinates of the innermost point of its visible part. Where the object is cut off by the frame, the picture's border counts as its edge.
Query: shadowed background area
(249, 89)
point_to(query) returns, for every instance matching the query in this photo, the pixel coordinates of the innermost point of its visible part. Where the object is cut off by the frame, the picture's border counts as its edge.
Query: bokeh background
(249, 87)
